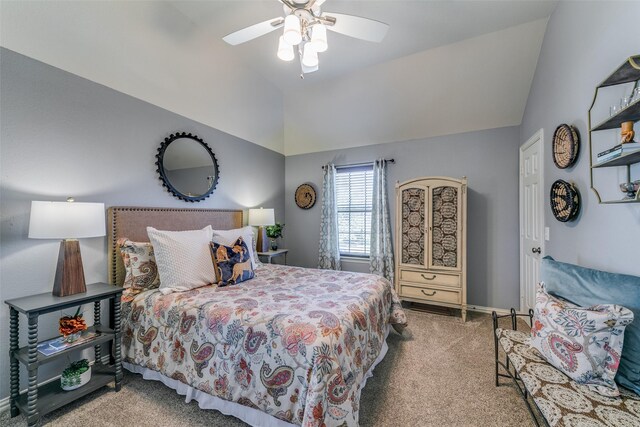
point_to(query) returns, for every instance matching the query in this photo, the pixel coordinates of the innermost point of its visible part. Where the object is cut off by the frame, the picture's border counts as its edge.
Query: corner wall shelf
(628, 72)
(621, 201)
(630, 113)
(624, 160)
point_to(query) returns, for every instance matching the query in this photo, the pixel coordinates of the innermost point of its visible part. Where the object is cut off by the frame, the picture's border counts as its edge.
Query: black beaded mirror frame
(165, 180)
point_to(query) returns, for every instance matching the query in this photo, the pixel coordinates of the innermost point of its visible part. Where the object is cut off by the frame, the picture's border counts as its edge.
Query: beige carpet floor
(439, 373)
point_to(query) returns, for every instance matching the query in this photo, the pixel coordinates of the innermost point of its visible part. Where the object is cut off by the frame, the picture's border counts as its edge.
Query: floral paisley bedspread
(292, 342)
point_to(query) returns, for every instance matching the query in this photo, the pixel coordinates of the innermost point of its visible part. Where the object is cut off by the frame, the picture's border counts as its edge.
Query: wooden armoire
(431, 241)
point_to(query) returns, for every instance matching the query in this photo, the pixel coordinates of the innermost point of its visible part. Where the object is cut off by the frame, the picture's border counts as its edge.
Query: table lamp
(259, 218)
(68, 221)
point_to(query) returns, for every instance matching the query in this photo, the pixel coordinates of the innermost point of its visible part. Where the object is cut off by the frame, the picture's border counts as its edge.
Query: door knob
(536, 250)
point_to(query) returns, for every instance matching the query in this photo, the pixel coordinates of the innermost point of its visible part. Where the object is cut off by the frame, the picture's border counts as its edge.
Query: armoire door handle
(536, 250)
(428, 278)
(429, 295)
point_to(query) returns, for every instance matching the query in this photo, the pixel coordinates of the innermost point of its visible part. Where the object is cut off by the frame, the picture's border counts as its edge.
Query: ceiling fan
(305, 27)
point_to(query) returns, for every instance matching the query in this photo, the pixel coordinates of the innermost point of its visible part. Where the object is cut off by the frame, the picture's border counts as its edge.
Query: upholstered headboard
(132, 222)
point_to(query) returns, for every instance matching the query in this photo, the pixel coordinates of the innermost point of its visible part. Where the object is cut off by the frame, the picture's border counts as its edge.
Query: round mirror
(187, 167)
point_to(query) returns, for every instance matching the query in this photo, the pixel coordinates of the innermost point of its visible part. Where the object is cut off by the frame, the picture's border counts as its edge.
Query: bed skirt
(251, 416)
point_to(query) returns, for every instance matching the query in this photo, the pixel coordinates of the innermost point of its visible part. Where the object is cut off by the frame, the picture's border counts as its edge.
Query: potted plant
(273, 232)
(76, 375)
(71, 327)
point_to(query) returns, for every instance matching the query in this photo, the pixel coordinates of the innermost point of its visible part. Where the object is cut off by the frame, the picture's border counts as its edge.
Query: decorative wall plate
(566, 146)
(565, 201)
(305, 196)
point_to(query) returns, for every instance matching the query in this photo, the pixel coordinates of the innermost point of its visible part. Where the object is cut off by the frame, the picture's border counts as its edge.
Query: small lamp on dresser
(260, 218)
(68, 221)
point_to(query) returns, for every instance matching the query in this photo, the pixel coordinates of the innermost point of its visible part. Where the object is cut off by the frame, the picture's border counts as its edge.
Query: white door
(531, 218)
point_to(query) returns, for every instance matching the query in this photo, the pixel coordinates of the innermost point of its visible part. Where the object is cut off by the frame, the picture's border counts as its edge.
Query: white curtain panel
(329, 256)
(381, 251)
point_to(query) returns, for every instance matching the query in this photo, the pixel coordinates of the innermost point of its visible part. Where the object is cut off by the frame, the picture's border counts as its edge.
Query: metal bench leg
(494, 315)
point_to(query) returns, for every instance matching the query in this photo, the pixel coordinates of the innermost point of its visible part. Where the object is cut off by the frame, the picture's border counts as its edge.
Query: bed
(293, 346)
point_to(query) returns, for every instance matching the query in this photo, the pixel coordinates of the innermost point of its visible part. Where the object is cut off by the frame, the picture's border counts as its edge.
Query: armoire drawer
(427, 278)
(430, 294)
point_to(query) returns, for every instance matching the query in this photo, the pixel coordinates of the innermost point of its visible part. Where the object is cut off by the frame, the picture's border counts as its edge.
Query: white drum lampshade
(259, 218)
(68, 221)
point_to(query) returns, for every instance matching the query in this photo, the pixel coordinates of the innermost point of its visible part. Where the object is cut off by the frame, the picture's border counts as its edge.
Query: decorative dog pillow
(232, 263)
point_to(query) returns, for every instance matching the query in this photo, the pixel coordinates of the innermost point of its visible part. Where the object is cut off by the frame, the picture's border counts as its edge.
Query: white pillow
(183, 258)
(228, 237)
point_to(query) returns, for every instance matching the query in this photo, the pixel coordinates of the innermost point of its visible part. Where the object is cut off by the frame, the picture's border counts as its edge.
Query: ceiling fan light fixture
(319, 38)
(285, 50)
(309, 56)
(292, 31)
(305, 28)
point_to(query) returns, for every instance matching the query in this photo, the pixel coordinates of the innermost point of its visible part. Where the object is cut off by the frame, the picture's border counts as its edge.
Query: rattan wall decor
(565, 201)
(566, 146)
(305, 196)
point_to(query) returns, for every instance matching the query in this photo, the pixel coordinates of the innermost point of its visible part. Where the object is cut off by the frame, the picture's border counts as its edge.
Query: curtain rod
(362, 164)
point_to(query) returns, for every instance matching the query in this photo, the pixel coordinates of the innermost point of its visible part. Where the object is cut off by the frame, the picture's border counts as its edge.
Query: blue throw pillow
(231, 263)
(587, 287)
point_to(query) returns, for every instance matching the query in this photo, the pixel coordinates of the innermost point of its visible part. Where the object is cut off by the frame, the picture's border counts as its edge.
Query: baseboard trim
(4, 403)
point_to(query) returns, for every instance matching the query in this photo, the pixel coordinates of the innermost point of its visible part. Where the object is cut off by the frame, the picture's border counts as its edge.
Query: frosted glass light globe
(292, 31)
(285, 50)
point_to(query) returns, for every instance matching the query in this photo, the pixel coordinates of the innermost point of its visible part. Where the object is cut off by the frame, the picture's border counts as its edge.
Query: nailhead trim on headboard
(233, 218)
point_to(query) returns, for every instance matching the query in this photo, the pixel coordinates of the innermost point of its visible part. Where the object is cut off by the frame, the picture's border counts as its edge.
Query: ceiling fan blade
(357, 26)
(254, 31)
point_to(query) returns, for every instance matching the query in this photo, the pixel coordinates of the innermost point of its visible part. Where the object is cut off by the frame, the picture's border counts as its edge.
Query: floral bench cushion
(564, 402)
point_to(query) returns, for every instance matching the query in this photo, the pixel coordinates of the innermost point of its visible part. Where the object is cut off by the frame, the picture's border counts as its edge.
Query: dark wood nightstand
(272, 254)
(38, 401)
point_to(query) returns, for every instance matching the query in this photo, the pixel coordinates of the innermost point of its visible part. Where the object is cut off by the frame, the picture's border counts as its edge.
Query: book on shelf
(618, 151)
(56, 345)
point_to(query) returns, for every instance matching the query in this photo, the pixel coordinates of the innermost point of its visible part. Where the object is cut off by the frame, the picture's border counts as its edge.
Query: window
(354, 190)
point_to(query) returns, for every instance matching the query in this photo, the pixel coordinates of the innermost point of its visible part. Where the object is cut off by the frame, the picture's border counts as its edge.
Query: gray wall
(584, 43)
(488, 158)
(62, 136)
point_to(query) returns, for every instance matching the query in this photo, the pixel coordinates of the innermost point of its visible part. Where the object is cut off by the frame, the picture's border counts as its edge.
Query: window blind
(354, 190)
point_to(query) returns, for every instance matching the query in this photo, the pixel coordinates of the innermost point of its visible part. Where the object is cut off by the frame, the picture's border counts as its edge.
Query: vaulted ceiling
(414, 26)
(171, 54)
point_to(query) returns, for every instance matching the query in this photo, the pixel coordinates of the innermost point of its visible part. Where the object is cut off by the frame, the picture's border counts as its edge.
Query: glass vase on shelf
(614, 109)
(71, 327)
(274, 245)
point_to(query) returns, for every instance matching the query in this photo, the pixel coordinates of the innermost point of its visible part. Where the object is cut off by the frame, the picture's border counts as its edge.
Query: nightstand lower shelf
(52, 397)
(106, 335)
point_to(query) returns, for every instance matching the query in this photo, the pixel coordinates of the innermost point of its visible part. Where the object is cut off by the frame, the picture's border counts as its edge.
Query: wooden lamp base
(69, 273)
(262, 242)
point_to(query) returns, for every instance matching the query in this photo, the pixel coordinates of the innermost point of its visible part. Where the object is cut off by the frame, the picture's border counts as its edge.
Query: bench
(551, 397)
